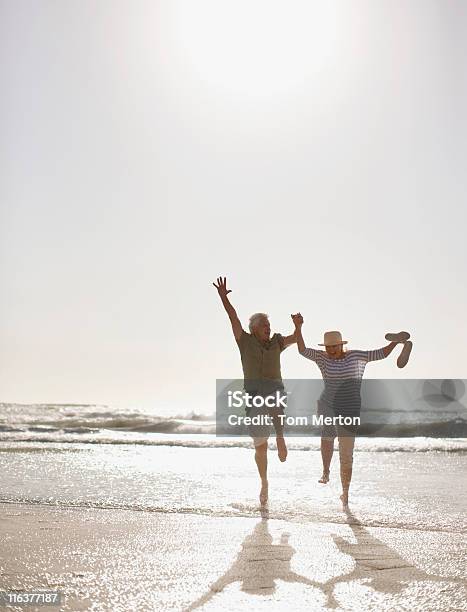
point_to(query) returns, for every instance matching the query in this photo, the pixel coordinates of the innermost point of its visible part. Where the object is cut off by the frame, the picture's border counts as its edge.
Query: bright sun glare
(257, 47)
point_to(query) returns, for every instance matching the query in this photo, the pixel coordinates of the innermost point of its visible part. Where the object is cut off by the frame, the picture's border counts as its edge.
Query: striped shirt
(342, 377)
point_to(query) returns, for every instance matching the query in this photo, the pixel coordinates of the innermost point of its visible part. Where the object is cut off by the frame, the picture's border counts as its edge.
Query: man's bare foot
(263, 496)
(324, 478)
(281, 449)
(345, 500)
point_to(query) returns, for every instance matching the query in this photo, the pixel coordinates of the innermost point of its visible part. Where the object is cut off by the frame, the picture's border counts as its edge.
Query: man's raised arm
(230, 310)
(288, 340)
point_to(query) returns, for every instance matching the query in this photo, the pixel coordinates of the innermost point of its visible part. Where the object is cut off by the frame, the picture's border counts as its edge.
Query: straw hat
(332, 337)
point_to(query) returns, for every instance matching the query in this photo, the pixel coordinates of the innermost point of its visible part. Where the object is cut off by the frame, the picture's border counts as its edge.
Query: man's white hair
(255, 319)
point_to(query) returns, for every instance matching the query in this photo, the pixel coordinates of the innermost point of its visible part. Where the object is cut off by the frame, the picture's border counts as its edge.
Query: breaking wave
(93, 424)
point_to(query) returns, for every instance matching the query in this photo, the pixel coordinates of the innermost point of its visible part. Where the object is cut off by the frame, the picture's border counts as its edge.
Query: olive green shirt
(261, 362)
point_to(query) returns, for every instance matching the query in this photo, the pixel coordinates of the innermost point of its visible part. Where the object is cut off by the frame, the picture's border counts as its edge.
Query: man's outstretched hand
(297, 319)
(222, 287)
(223, 291)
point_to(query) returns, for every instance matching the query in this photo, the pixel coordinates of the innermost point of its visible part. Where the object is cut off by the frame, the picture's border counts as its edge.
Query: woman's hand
(297, 320)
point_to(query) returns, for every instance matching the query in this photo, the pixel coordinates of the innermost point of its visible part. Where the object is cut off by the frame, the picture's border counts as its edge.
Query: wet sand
(119, 560)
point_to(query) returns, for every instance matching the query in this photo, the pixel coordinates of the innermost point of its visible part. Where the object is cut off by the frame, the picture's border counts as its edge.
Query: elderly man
(260, 355)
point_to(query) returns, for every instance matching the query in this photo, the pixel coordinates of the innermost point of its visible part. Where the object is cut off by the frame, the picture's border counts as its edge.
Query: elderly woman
(342, 372)
(260, 354)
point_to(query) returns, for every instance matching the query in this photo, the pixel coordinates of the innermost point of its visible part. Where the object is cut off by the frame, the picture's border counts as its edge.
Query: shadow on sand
(258, 565)
(261, 562)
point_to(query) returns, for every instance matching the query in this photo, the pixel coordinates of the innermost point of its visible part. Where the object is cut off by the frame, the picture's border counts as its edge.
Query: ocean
(98, 457)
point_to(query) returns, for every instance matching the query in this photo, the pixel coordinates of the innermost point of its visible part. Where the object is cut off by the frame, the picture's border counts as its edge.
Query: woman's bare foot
(281, 449)
(263, 495)
(345, 499)
(324, 478)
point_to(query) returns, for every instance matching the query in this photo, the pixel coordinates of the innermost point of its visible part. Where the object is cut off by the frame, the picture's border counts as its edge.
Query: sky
(311, 152)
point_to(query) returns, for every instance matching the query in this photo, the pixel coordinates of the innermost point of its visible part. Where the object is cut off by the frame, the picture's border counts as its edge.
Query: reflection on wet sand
(261, 562)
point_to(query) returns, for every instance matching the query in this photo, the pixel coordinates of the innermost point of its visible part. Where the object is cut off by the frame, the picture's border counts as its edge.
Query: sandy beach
(120, 560)
(124, 521)
(122, 528)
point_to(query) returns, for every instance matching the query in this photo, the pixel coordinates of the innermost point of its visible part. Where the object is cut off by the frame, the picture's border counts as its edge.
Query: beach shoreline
(107, 559)
(122, 528)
